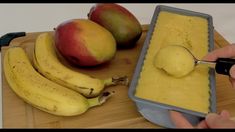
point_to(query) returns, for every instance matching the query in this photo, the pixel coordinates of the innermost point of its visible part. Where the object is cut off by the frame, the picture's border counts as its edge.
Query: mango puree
(190, 92)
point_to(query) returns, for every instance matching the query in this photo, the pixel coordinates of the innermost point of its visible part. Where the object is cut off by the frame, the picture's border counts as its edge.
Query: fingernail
(232, 72)
(225, 114)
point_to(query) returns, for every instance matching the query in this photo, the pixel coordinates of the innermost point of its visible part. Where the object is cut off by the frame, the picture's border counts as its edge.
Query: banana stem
(123, 80)
(100, 99)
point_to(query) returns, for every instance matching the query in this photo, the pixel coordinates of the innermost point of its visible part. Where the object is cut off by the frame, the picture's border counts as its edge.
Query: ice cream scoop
(174, 60)
(221, 65)
(178, 61)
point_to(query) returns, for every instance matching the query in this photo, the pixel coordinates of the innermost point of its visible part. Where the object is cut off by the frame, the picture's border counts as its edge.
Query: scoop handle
(223, 65)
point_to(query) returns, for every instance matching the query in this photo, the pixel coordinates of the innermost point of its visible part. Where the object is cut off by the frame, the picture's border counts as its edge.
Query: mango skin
(124, 26)
(84, 43)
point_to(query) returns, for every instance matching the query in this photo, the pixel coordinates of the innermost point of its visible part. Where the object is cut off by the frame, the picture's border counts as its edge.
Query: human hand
(225, 52)
(212, 120)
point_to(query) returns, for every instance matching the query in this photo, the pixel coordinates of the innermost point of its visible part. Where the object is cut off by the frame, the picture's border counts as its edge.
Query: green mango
(123, 25)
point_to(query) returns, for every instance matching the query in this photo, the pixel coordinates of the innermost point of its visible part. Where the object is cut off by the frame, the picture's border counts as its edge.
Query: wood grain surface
(118, 112)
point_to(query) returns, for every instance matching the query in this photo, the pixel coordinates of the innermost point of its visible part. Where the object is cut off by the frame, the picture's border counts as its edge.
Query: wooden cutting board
(118, 112)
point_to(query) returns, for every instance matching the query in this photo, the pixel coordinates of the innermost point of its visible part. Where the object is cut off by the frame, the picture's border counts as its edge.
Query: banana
(47, 63)
(41, 92)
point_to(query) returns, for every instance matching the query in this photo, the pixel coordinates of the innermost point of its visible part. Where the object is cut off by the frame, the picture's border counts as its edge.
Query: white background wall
(44, 17)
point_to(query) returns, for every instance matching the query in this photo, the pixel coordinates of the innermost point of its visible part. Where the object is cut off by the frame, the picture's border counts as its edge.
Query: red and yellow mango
(124, 26)
(84, 43)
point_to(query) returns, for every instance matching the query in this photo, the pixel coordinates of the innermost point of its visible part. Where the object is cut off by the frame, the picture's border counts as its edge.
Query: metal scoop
(221, 65)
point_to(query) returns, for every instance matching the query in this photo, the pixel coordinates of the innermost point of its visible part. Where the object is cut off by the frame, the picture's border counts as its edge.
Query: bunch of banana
(40, 92)
(47, 63)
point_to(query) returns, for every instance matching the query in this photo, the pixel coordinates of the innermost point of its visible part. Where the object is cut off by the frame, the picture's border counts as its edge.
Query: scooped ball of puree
(175, 60)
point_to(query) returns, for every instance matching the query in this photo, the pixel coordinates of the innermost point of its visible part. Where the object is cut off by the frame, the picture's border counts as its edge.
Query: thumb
(232, 72)
(217, 121)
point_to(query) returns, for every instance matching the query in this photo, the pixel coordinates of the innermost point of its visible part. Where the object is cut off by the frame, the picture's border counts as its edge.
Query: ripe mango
(123, 25)
(84, 42)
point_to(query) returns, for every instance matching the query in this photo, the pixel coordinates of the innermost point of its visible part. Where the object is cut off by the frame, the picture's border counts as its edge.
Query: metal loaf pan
(159, 113)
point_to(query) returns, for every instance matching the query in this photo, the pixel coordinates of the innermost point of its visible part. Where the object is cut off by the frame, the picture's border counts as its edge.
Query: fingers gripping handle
(223, 65)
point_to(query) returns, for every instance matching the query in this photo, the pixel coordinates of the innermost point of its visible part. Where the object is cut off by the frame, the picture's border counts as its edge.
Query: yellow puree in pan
(190, 91)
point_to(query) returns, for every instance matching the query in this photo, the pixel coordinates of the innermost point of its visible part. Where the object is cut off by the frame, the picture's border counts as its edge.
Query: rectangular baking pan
(158, 113)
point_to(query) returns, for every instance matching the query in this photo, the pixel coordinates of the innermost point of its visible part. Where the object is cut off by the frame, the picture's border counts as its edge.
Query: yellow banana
(47, 63)
(40, 92)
